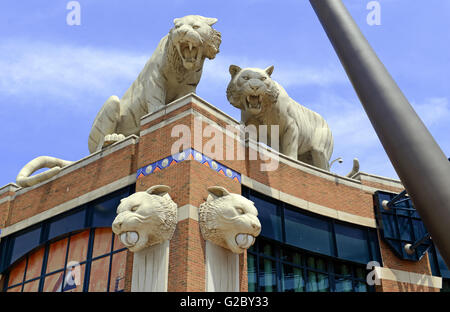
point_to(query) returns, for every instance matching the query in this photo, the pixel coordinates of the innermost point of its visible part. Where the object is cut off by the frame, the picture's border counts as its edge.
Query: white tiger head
(251, 89)
(229, 220)
(146, 218)
(194, 39)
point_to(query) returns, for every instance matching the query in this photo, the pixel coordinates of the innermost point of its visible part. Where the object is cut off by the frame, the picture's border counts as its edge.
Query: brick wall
(189, 181)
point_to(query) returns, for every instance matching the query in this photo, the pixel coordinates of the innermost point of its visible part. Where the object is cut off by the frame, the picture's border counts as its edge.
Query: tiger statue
(229, 220)
(303, 134)
(173, 71)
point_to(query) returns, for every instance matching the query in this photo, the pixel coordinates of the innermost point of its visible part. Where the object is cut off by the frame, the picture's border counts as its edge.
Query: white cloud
(64, 71)
(433, 110)
(287, 74)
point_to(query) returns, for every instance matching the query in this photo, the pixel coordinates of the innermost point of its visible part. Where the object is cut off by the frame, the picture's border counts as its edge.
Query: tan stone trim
(379, 179)
(185, 100)
(307, 205)
(10, 187)
(330, 176)
(166, 122)
(104, 190)
(408, 277)
(130, 140)
(187, 212)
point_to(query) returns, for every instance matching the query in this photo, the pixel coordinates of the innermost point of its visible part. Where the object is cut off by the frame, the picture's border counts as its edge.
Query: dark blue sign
(401, 225)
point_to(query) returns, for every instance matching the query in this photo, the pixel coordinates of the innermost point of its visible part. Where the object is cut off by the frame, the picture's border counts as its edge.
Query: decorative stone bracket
(145, 223)
(229, 223)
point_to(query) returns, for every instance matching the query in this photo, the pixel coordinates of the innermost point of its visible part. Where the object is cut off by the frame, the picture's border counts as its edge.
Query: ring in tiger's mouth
(253, 102)
(189, 53)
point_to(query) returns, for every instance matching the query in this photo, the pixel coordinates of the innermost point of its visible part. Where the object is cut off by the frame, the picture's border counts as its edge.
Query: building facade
(319, 230)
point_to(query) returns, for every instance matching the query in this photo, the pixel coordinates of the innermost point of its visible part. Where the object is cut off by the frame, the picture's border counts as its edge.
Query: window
(298, 228)
(98, 213)
(90, 260)
(67, 223)
(275, 267)
(439, 268)
(308, 232)
(269, 216)
(302, 252)
(352, 243)
(24, 242)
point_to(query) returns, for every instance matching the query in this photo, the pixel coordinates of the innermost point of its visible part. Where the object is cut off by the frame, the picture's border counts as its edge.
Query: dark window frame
(7, 243)
(279, 262)
(87, 262)
(247, 192)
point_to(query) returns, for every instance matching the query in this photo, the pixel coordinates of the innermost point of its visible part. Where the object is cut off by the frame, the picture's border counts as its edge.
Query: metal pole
(418, 160)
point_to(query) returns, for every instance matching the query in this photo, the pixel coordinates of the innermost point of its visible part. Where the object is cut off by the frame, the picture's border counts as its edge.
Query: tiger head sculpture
(251, 89)
(146, 218)
(193, 38)
(229, 220)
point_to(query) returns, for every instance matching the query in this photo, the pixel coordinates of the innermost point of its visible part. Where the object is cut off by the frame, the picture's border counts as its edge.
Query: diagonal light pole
(418, 160)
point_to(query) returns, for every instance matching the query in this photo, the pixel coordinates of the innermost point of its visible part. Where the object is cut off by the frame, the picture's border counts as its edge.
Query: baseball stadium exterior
(319, 230)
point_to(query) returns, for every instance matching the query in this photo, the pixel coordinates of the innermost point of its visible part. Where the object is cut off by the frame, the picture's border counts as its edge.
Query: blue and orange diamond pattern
(188, 154)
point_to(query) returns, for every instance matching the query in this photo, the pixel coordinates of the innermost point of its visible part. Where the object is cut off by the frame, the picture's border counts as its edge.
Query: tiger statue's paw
(112, 138)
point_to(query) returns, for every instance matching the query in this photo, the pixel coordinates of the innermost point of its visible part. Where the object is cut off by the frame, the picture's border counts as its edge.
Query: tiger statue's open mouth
(253, 103)
(190, 53)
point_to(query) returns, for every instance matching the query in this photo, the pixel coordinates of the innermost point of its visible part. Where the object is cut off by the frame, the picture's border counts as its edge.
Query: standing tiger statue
(173, 71)
(303, 134)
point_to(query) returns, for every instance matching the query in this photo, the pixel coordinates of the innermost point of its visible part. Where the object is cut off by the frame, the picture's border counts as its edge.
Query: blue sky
(54, 78)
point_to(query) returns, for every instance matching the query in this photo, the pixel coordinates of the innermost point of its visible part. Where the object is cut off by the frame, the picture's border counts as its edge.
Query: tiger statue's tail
(355, 168)
(24, 177)
(105, 123)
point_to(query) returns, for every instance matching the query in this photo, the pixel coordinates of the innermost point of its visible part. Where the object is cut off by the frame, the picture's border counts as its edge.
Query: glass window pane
(104, 212)
(267, 275)
(67, 224)
(360, 273)
(74, 279)
(317, 282)
(308, 232)
(316, 263)
(15, 289)
(343, 269)
(57, 255)
(267, 248)
(118, 266)
(352, 243)
(53, 283)
(251, 269)
(25, 242)
(102, 242)
(34, 267)
(361, 287)
(78, 247)
(292, 279)
(374, 245)
(343, 284)
(31, 286)
(291, 256)
(98, 281)
(270, 217)
(17, 273)
(118, 243)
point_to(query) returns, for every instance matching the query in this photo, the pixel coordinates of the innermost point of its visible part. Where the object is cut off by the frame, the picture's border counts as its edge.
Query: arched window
(88, 260)
(72, 251)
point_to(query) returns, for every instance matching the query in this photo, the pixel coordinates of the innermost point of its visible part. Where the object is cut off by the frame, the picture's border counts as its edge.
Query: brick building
(319, 230)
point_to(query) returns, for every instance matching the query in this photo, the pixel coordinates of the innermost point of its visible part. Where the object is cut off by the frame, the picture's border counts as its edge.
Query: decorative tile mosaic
(189, 154)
